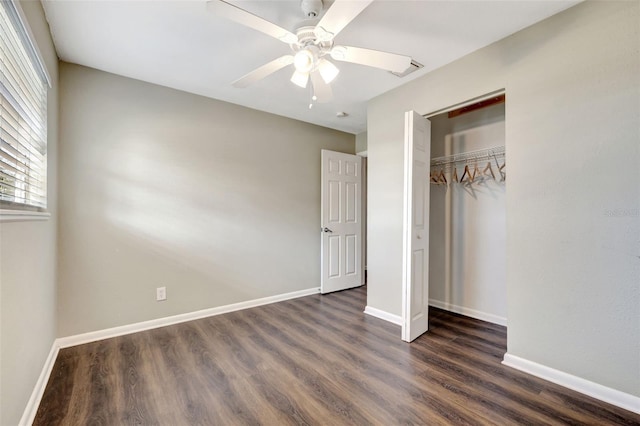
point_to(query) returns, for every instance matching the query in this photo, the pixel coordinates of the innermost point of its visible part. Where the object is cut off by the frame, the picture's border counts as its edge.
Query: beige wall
(361, 142)
(217, 202)
(28, 266)
(572, 130)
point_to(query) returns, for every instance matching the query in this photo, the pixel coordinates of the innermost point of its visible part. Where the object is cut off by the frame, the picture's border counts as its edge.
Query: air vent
(415, 66)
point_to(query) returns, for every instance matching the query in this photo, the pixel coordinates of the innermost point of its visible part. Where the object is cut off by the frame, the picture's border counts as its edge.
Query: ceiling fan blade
(373, 58)
(338, 16)
(250, 20)
(263, 71)
(321, 90)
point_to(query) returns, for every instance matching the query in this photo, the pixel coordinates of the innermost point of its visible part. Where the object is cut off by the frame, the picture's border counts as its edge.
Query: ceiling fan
(311, 45)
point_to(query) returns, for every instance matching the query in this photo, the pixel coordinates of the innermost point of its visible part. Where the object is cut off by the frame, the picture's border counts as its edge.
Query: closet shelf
(487, 154)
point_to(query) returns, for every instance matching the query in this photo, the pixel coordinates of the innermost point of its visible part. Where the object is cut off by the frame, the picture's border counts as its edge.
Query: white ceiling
(179, 44)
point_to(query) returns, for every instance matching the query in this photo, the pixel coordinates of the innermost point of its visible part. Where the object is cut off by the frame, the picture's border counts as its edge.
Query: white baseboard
(31, 409)
(483, 316)
(93, 336)
(395, 319)
(578, 384)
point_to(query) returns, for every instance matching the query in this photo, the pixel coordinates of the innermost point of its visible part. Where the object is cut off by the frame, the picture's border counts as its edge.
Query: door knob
(325, 229)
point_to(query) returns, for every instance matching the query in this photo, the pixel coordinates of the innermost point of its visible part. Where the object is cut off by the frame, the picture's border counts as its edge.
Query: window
(23, 116)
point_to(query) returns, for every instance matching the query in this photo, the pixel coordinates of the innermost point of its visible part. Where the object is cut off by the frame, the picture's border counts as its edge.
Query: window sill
(22, 215)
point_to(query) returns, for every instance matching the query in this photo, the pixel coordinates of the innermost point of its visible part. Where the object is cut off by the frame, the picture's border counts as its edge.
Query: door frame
(404, 313)
(465, 103)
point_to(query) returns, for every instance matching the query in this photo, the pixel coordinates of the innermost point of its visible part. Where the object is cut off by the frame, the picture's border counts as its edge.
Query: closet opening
(467, 213)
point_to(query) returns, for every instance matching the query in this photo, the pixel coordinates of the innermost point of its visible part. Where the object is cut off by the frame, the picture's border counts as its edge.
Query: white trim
(22, 215)
(578, 384)
(363, 153)
(31, 409)
(394, 319)
(79, 339)
(483, 316)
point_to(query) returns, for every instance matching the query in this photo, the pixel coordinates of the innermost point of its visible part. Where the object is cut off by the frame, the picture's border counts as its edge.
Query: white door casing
(415, 252)
(341, 228)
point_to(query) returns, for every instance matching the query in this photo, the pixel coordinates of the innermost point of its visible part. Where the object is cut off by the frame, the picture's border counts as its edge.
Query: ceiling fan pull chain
(312, 95)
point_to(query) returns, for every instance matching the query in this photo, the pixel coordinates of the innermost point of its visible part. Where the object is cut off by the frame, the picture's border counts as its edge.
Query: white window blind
(23, 116)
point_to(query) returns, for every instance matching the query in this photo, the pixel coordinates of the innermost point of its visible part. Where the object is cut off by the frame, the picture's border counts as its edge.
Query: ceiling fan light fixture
(300, 78)
(303, 61)
(311, 43)
(339, 53)
(328, 71)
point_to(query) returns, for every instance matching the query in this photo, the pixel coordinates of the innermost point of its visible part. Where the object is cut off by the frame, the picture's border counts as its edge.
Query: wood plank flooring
(309, 361)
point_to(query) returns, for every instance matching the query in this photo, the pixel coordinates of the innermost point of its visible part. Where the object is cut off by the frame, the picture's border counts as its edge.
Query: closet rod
(479, 155)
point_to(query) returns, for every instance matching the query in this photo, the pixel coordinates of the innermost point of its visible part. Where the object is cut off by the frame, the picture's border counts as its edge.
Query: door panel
(334, 202)
(352, 201)
(351, 254)
(417, 283)
(419, 194)
(334, 256)
(341, 246)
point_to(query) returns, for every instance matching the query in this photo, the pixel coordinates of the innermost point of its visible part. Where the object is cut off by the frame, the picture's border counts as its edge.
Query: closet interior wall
(467, 270)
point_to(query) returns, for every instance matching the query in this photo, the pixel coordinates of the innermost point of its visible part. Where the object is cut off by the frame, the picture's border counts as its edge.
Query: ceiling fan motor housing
(311, 8)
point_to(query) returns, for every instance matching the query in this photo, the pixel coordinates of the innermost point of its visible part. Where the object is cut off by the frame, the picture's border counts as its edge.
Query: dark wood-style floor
(313, 360)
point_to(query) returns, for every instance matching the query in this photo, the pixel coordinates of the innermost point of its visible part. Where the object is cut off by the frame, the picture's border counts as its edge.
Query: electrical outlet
(161, 293)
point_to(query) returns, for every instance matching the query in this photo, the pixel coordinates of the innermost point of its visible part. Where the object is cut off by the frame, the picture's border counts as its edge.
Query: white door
(341, 247)
(415, 253)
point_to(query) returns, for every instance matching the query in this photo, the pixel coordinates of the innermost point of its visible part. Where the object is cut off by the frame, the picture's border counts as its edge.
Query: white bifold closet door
(415, 276)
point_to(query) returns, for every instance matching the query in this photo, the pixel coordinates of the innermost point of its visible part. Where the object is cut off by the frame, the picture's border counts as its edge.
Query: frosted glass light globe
(303, 61)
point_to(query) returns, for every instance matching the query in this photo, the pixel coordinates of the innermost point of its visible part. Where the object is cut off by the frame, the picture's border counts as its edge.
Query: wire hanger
(490, 169)
(476, 172)
(442, 177)
(466, 173)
